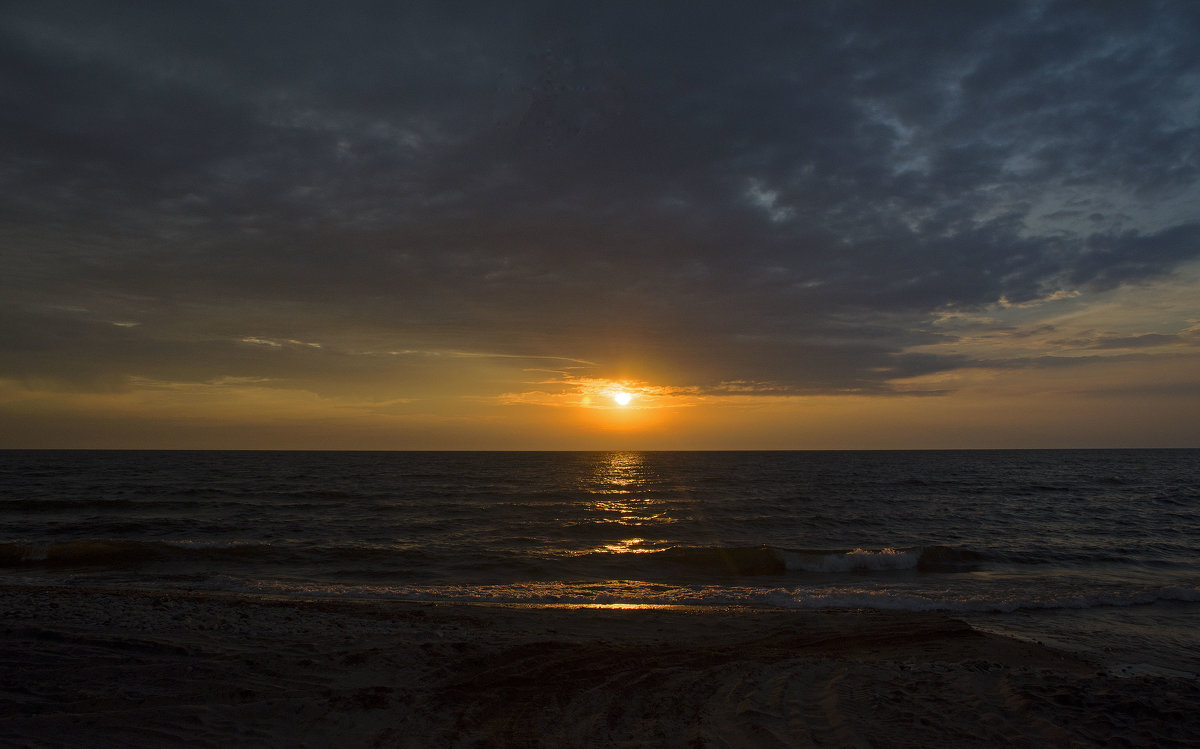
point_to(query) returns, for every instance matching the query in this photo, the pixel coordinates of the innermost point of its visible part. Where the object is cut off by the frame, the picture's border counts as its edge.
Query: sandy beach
(121, 668)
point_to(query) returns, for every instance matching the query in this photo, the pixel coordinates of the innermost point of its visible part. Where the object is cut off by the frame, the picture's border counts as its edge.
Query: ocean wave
(208, 553)
(173, 502)
(639, 593)
(767, 560)
(59, 504)
(114, 552)
(889, 600)
(753, 560)
(855, 559)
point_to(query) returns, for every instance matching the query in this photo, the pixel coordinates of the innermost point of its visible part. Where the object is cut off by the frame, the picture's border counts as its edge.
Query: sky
(800, 225)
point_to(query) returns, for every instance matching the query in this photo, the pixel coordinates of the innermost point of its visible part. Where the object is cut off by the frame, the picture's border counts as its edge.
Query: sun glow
(625, 400)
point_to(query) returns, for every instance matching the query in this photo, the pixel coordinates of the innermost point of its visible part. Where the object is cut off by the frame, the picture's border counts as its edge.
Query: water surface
(1093, 549)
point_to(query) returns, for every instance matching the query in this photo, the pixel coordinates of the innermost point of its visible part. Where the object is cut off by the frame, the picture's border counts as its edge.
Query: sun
(622, 398)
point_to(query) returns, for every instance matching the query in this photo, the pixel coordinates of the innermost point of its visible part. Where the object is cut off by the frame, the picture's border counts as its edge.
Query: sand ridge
(138, 668)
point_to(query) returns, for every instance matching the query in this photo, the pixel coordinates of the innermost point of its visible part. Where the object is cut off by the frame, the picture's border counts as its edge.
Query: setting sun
(622, 398)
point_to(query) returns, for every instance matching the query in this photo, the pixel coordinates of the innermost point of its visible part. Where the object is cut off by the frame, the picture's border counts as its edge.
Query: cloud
(1145, 340)
(786, 198)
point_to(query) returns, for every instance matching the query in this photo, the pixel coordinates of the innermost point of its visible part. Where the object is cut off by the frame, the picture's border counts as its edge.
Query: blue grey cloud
(782, 196)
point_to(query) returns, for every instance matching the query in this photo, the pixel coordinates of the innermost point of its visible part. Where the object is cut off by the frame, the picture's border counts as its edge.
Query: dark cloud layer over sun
(395, 201)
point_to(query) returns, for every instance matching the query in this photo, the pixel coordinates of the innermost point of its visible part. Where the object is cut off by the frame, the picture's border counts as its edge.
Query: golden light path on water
(617, 479)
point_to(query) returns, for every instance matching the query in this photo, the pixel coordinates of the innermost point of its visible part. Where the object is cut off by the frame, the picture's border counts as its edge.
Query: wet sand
(138, 668)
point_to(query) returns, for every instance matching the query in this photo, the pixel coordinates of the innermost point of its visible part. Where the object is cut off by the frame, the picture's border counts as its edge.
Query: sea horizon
(589, 450)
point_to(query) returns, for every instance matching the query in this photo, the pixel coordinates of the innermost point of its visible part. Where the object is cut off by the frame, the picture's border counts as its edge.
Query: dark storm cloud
(781, 197)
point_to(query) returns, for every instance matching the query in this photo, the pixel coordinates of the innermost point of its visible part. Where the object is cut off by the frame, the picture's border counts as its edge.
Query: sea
(1094, 551)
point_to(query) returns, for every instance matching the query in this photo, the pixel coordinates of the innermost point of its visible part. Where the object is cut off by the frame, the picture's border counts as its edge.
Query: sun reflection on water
(619, 473)
(620, 485)
(627, 546)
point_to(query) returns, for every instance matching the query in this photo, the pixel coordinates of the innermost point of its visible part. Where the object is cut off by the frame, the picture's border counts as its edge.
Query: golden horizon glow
(603, 394)
(1098, 386)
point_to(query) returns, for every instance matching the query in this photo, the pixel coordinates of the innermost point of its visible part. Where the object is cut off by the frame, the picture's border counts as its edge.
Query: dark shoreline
(133, 667)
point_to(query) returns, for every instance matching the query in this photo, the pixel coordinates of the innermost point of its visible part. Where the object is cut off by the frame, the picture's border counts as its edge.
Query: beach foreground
(139, 668)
